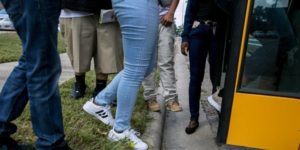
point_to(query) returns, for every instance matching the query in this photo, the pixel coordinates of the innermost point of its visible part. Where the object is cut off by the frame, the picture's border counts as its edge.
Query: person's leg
(139, 24)
(109, 54)
(150, 92)
(212, 62)
(139, 38)
(149, 85)
(43, 70)
(13, 99)
(83, 41)
(14, 96)
(198, 54)
(166, 66)
(101, 81)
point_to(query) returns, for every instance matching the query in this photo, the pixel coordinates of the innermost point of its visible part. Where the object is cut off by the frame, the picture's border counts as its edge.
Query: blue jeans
(36, 76)
(202, 42)
(139, 25)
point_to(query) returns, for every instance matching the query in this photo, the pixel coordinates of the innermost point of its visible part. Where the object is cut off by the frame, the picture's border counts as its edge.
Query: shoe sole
(92, 114)
(214, 104)
(116, 140)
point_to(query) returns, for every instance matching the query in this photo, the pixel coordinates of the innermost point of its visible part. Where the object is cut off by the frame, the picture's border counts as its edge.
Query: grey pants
(165, 63)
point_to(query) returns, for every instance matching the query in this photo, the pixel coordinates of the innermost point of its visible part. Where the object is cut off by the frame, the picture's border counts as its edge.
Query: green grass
(82, 130)
(10, 47)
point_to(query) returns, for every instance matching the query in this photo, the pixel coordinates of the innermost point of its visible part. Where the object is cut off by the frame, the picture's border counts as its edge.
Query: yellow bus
(261, 102)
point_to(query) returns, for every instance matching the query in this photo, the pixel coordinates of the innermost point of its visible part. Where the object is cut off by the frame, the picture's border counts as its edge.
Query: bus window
(272, 56)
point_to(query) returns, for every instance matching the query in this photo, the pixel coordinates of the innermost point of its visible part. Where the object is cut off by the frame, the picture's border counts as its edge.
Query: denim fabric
(139, 25)
(36, 76)
(202, 43)
(165, 63)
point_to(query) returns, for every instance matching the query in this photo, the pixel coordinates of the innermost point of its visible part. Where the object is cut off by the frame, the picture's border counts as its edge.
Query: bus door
(261, 103)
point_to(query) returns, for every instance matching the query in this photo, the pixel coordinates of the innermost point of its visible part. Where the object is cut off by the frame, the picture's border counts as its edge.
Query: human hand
(167, 19)
(184, 48)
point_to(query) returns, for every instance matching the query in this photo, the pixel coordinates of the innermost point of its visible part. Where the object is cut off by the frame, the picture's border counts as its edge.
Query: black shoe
(191, 128)
(8, 143)
(78, 91)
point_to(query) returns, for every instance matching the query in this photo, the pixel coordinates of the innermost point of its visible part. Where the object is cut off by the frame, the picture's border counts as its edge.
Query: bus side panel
(265, 122)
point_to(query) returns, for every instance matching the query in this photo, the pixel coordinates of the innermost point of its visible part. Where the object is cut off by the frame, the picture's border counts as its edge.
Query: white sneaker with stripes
(102, 113)
(130, 135)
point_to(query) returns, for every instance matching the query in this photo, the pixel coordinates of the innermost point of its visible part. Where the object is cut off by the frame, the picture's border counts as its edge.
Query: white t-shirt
(67, 13)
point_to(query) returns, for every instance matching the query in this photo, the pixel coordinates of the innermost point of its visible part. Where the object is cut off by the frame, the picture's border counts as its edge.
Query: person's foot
(173, 106)
(192, 127)
(78, 91)
(129, 134)
(102, 113)
(153, 105)
(215, 101)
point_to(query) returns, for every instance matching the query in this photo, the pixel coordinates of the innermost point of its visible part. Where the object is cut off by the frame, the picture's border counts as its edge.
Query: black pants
(202, 43)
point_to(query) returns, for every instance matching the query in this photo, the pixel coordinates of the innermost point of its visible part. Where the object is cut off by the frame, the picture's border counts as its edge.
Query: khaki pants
(165, 64)
(85, 39)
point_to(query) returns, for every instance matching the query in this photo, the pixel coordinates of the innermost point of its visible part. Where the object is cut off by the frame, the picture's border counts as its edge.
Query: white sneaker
(102, 113)
(129, 134)
(215, 100)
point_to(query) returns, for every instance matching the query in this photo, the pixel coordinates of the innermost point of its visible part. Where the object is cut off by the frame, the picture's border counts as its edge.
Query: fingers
(165, 21)
(184, 50)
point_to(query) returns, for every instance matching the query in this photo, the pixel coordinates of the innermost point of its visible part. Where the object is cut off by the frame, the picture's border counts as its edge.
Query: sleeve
(188, 20)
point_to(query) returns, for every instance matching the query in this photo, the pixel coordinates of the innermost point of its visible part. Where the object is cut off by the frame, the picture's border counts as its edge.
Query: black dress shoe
(191, 128)
(78, 91)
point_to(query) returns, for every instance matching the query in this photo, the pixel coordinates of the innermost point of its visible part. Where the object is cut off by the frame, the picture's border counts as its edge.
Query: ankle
(80, 79)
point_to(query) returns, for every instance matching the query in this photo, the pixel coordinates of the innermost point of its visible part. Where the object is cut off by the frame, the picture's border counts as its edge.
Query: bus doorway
(261, 101)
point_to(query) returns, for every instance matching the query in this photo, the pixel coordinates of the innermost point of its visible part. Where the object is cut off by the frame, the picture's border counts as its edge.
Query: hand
(184, 48)
(167, 19)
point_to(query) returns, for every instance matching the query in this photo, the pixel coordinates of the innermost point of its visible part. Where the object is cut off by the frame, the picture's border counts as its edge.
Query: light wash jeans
(36, 76)
(165, 63)
(139, 25)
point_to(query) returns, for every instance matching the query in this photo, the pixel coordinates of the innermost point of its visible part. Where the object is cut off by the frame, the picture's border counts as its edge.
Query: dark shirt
(198, 10)
(93, 6)
(206, 10)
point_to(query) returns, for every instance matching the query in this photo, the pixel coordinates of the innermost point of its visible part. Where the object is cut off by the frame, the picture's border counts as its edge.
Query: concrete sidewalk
(67, 71)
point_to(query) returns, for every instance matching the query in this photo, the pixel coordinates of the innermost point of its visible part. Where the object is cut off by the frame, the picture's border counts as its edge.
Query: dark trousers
(202, 43)
(35, 78)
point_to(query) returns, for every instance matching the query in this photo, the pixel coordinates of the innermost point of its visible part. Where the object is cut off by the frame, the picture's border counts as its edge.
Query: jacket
(92, 6)
(192, 14)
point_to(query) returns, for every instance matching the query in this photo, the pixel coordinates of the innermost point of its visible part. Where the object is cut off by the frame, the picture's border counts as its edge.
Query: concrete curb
(153, 135)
